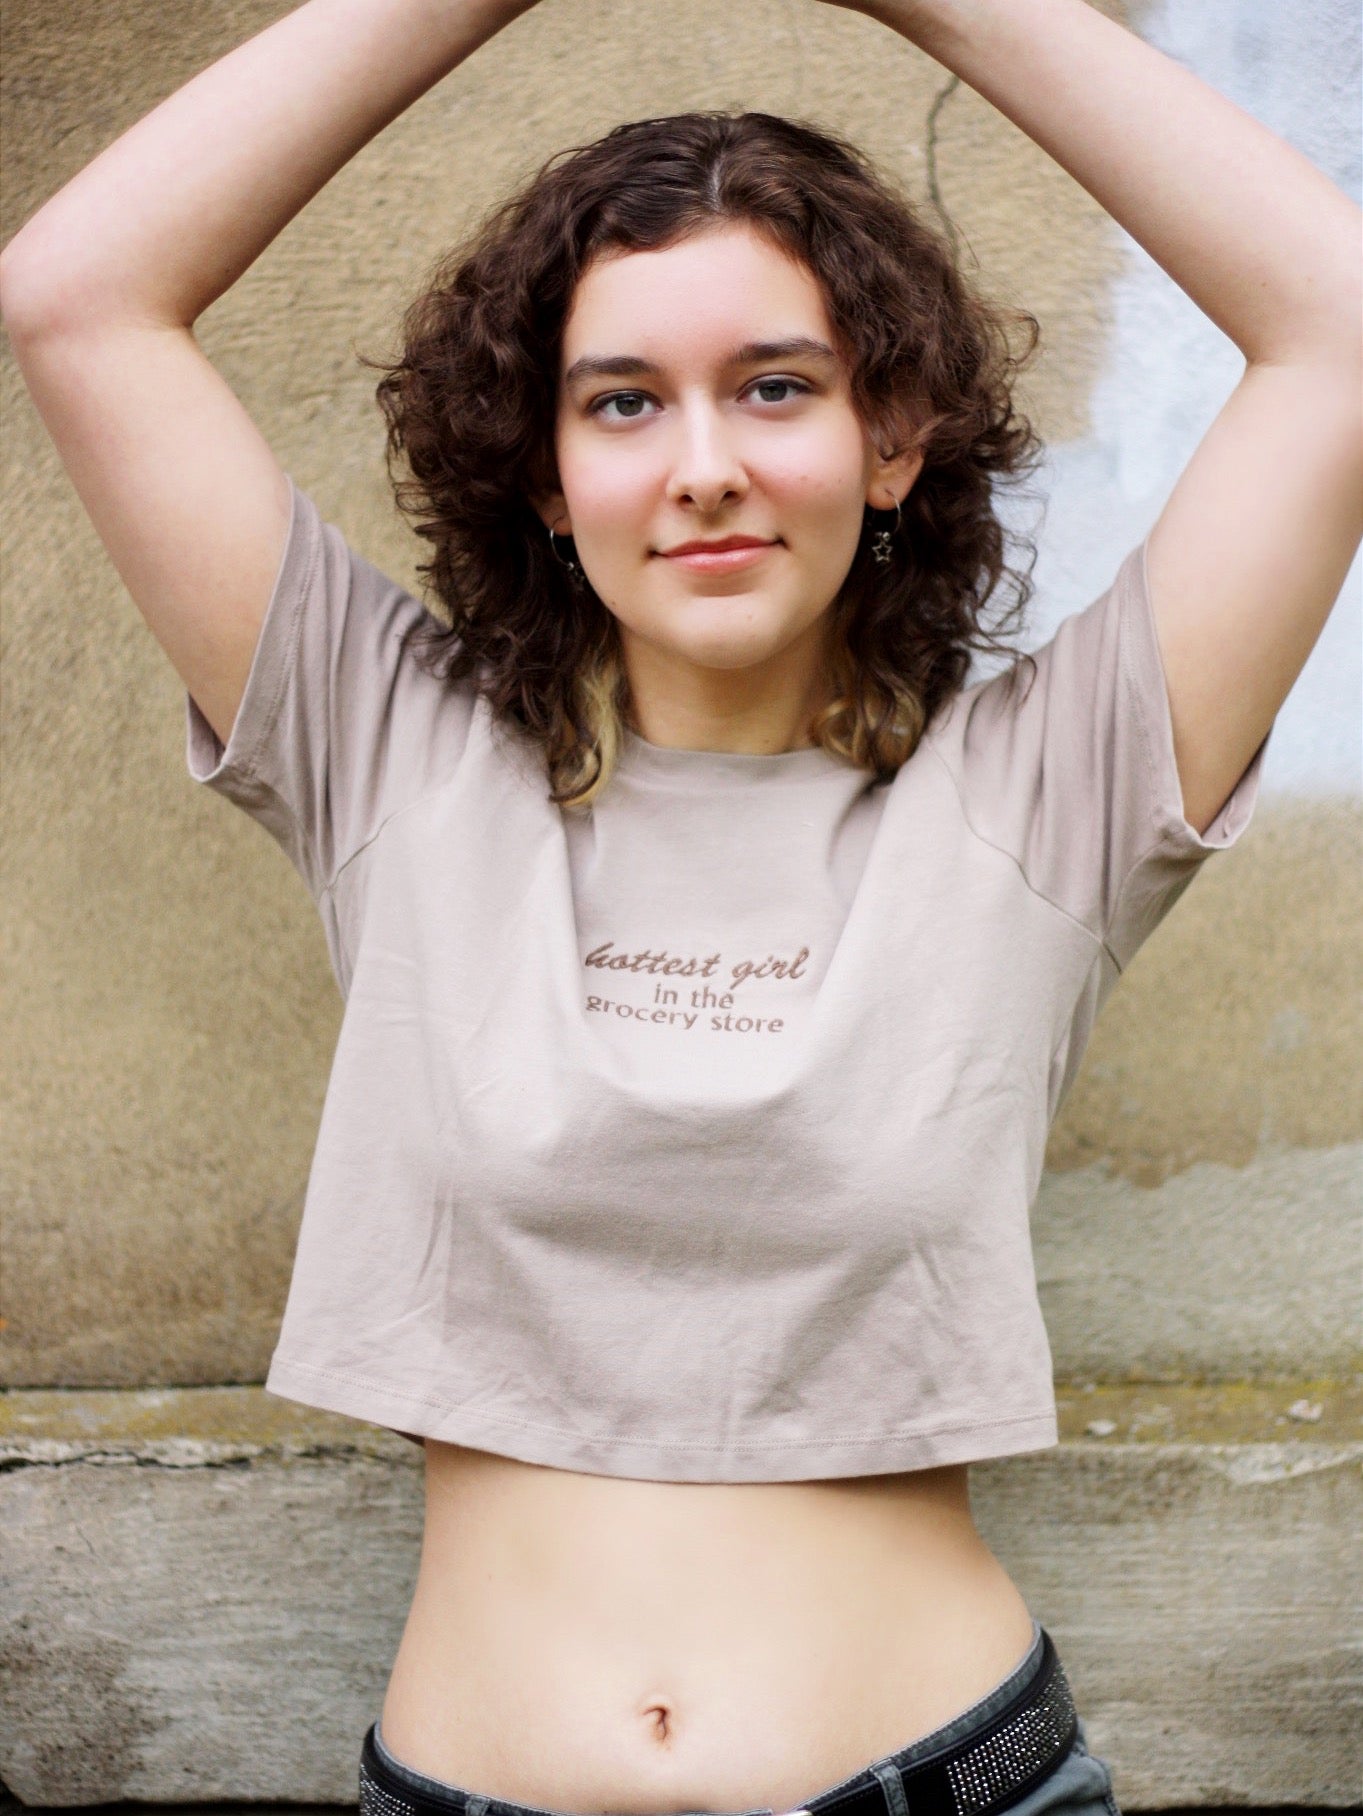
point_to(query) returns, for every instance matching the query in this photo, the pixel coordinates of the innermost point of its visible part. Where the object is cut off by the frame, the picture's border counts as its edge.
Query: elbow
(47, 285)
(31, 295)
(42, 296)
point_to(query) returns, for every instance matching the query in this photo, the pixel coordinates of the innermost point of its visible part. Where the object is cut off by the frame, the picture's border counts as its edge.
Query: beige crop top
(695, 1137)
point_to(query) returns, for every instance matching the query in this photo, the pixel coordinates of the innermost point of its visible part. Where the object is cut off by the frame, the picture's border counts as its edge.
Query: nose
(707, 468)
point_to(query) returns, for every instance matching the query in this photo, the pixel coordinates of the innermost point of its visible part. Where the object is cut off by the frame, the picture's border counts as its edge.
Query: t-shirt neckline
(662, 762)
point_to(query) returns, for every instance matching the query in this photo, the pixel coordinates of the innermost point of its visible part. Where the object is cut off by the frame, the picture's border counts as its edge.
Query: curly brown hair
(471, 403)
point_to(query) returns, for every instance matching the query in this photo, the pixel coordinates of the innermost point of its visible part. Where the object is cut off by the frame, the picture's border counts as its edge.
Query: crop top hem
(645, 1458)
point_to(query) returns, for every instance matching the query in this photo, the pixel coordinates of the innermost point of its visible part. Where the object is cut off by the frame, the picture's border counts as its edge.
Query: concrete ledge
(204, 1589)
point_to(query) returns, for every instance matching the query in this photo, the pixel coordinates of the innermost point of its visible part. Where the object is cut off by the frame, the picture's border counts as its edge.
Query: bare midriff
(592, 1643)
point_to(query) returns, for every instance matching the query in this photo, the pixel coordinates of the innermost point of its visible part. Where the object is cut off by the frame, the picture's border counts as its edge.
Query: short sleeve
(1072, 770)
(339, 726)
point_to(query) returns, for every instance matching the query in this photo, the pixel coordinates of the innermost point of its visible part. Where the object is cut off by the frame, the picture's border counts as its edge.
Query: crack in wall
(934, 183)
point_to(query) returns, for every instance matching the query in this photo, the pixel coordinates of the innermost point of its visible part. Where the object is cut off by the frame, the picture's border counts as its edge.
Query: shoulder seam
(1013, 859)
(403, 807)
(425, 793)
(387, 820)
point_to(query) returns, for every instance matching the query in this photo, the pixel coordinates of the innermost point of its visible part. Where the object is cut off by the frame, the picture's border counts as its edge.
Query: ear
(893, 480)
(892, 477)
(553, 510)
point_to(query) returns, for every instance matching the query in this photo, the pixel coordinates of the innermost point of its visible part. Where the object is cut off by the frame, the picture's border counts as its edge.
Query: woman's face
(701, 399)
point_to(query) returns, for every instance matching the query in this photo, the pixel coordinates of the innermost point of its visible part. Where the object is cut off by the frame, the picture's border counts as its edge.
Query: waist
(688, 1645)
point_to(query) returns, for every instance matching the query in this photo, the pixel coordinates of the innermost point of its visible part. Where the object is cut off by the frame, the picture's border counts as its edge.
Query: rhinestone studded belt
(991, 1769)
(987, 1772)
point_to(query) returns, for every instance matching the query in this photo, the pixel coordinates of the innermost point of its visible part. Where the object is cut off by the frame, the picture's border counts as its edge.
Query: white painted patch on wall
(1169, 370)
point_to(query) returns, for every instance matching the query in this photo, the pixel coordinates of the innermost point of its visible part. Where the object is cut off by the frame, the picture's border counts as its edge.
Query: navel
(660, 1715)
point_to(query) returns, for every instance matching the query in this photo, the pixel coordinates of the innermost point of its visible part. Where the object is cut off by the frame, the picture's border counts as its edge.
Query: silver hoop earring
(882, 542)
(576, 576)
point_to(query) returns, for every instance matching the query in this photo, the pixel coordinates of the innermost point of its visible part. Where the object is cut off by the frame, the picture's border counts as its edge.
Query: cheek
(604, 491)
(822, 478)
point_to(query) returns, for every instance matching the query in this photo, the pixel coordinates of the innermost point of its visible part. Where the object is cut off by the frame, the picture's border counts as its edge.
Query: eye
(630, 404)
(623, 398)
(791, 384)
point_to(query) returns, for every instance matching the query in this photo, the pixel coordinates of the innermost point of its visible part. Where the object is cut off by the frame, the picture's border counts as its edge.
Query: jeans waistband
(981, 1760)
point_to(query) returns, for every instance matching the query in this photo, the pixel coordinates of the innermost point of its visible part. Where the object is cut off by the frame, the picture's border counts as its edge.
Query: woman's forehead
(726, 288)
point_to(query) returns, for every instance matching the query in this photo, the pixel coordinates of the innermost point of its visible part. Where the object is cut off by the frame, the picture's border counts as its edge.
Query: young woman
(714, 957)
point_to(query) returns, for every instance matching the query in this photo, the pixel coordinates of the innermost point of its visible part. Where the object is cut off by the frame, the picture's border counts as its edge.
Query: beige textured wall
(170, 1009)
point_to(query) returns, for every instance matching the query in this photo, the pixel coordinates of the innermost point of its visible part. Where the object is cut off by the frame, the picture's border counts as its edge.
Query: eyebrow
(751, 353)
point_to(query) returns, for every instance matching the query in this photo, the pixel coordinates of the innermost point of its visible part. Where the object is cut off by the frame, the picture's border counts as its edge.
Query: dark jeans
(1080, 1784)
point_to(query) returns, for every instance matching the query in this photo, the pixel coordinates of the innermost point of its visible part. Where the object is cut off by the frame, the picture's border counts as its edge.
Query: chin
(722, 653)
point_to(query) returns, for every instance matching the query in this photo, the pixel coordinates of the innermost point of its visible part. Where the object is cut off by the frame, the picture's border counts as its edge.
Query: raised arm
(100, 288)
(1250, 552)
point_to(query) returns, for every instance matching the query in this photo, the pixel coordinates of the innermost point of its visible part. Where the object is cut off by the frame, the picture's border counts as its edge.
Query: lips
(724, 557)
(721, 546)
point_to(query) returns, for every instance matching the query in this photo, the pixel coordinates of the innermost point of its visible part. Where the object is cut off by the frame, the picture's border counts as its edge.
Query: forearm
(171, 214)
(1263, 242)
